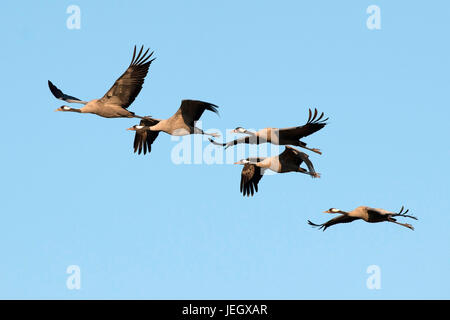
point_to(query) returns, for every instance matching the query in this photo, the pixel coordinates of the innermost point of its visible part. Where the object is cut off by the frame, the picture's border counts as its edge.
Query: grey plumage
(119, 97)
(283, 136)
(181, 123)
(287, 161)
(368, 214)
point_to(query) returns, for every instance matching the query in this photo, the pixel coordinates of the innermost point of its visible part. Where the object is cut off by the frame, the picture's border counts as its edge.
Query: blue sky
(142, 227)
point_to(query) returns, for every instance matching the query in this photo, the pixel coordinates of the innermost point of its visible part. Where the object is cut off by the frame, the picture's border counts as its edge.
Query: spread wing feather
(315, 123)
(129, 84)
(143, 139)
(62, 96)
(292, 155)
(250, 177)
(192, 110)
(341, 219)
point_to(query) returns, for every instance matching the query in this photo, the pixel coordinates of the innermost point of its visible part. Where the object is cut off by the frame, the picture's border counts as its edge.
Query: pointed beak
(59, 109)
(327, 211)
(131, 129)
(237, 162)
(234, 131)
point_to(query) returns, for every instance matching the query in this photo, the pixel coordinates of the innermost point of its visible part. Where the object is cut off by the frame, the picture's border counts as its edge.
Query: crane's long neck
(162, 125)
(73, 110)
(154, 128)
(250, 133)
(167, 126)
(262, 164)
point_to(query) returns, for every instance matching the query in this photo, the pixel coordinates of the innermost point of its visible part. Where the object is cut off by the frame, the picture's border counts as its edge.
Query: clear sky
(73, 193)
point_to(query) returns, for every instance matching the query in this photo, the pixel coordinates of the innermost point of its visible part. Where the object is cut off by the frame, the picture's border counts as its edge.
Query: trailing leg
(200, 131)
(303, 145)
(312, 174)
(407, 225)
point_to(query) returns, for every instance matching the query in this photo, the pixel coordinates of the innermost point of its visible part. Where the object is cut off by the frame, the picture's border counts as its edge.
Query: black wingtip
(141, 59)
(213, 108)
(54, 90)
(315, 225)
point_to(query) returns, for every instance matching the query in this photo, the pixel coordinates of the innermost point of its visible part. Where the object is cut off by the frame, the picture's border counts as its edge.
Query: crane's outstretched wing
(62, 96)
(143, 139)
(127, 87)
(404, 214)
(383, 212)
(311, 170)
(341, 219)
(292, 155)
(192, 110)
(313, 124)
(250, 177)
